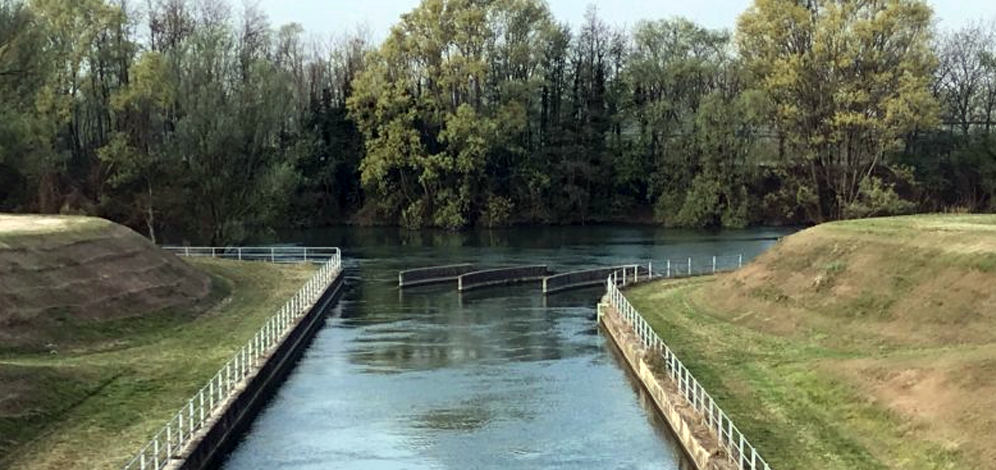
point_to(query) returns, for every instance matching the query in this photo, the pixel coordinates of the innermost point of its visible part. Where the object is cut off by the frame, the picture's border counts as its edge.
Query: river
(500, 378)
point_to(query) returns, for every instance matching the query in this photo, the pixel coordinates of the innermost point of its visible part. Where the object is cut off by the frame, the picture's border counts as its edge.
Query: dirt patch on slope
(946, 398)
(906, 303)
(64, 279)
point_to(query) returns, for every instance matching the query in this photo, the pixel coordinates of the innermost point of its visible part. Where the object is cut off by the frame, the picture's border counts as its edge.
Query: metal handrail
(272, 254)
(739, 450)
(179, 431)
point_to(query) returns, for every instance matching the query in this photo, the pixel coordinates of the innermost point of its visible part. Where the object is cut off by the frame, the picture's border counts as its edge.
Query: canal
(500, 378)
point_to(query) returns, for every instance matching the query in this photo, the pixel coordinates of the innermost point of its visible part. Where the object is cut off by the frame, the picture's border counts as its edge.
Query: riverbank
(852, 345)
(93, 408)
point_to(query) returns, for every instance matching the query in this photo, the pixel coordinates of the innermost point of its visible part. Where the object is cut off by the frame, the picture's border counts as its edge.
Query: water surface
(500, 378)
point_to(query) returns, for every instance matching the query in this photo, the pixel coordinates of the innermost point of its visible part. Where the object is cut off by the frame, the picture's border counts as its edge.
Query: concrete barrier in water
(433, 275)
(590, 278)
(501, 276)
(212, 444)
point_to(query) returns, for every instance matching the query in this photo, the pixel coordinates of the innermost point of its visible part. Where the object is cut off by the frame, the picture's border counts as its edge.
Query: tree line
(203, 119)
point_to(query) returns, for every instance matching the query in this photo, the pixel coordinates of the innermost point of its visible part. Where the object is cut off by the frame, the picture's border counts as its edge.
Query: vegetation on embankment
(94, 398)
(852, 345)
(93, 409)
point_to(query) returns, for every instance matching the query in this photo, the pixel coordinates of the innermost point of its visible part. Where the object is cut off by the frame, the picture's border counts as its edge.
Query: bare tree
(965, 82)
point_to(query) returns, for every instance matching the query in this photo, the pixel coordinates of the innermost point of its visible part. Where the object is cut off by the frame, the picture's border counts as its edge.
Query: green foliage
(413, 217)
(23, 66)
(432, 133)
(876, 199)
(218, 128)
(848, 80)
(498, 212)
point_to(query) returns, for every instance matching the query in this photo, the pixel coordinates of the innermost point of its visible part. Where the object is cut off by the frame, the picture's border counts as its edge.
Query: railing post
(714, 265)
(273, 255)
(186, 251)
(729, 433)
(650, 269)
(741, 451)
(214, 252)
(305, 254)
(689, 266)
(240, 253)
(668, 268)
(740, 261)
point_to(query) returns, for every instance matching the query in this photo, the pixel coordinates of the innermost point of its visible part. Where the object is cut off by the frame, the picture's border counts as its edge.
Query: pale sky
(328, 17)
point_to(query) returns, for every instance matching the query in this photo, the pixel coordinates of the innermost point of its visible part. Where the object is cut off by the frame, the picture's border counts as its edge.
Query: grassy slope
(68, 283)
(855, 345)
(93, 410)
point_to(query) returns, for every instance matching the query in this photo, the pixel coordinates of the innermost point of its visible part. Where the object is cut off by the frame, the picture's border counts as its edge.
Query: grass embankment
(852, 345)
(94, 398)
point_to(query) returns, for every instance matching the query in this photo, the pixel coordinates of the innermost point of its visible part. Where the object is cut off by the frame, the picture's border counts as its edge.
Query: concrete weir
(220, 435)
(501, 276)
(433, 275)
(589, 278)
(696, 439)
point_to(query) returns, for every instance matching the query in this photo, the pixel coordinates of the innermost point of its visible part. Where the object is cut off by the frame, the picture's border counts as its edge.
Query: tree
(23, 68)
(963, 57)
(439, 109)
(137, 159)
(848, 79)
(674, 66)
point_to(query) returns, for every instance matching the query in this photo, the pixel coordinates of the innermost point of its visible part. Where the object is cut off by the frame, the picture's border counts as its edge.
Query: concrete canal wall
(220, 435)
(698, 441)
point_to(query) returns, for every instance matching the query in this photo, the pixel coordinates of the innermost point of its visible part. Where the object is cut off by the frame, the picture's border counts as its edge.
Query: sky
(330, 17)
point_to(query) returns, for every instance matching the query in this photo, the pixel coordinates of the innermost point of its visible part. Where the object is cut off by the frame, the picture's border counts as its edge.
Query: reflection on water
(494, 378)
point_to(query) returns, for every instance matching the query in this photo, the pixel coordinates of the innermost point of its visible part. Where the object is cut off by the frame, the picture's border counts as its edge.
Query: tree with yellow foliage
(847, 79)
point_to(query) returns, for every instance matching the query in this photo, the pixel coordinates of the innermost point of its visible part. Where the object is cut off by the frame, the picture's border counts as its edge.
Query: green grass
(95, 408)
(780, 392)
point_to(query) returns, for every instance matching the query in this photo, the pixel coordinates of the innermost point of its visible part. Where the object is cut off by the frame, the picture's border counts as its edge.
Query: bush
(450, 215)
(413, 217)
(876, 199)
(497, 212)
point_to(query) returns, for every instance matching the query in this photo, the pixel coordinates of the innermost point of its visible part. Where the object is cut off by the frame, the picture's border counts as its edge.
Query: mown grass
(846, 346)
(96, 408)
(50, 228)
(780, 392)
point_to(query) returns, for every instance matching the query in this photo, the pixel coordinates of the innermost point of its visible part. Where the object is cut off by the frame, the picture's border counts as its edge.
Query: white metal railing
(738, 449)
(169, 442)
(270, 254)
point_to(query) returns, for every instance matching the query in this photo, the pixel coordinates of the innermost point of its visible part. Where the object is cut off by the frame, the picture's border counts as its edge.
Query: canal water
(500, 378)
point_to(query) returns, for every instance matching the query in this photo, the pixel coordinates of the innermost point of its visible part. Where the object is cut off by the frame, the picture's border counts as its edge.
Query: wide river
(500, 378)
